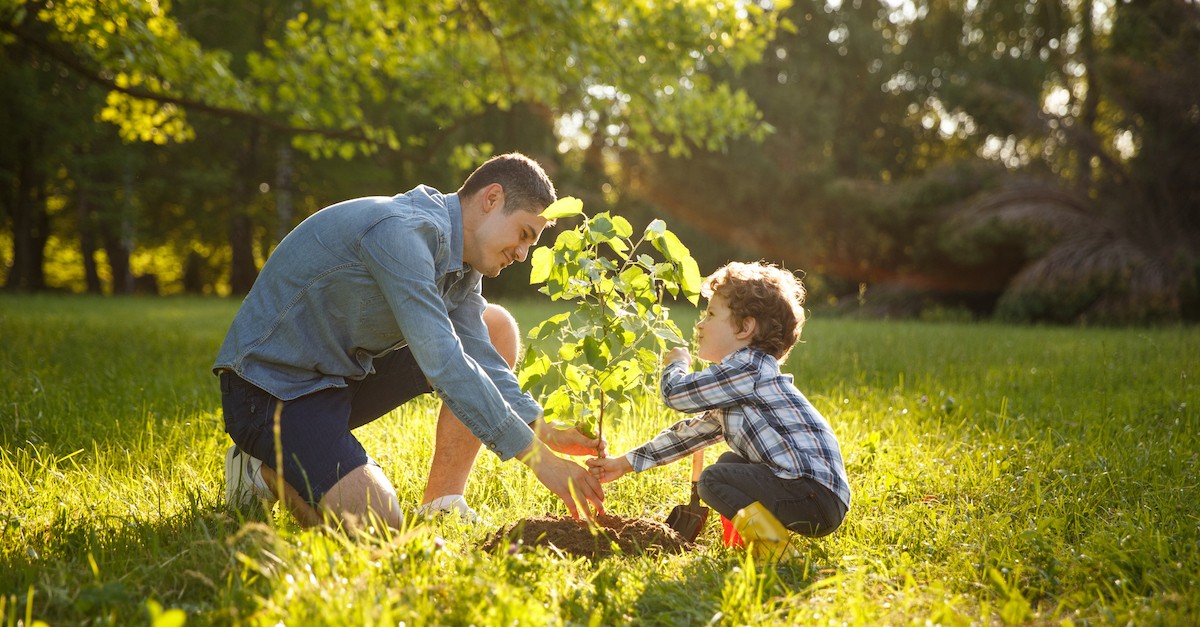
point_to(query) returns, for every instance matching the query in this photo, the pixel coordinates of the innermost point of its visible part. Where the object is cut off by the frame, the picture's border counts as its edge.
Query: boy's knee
(504, 332)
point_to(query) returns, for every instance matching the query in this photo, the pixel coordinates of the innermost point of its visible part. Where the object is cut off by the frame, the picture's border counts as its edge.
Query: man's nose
(522, 253)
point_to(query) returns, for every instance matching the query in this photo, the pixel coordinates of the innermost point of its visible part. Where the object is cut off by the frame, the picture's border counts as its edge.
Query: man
(367, 304)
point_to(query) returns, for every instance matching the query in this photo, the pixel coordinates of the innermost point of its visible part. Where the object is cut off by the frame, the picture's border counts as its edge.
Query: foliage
(836, 137)
(351, 76)
(604, 353)
(269, 93)
(1001, 475)
(909, 114)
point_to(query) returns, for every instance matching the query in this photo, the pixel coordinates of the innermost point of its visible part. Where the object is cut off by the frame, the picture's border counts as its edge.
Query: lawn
(1001, 475)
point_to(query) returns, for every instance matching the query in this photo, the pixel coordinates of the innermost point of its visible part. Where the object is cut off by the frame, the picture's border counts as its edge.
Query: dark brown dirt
(629, 535)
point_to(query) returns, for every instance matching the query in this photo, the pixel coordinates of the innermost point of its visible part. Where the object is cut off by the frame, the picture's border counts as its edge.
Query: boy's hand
(568, 440)
(676, 354)
(609, 468)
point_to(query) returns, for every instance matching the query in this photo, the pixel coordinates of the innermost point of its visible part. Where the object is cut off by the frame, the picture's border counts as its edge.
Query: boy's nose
(522, 252)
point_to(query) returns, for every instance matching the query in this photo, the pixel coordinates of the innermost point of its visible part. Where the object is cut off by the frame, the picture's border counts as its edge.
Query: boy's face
(716, 333)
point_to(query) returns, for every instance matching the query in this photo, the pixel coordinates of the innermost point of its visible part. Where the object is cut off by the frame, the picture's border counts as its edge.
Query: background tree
(1028, 159)
(989, 155)
(354, 77)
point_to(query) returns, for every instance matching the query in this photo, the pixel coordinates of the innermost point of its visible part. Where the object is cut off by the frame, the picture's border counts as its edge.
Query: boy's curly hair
(774, 297)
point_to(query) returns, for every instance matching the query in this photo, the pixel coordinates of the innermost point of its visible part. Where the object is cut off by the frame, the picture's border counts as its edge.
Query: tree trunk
(241, 237)
(87, 237)
(118, 262)
(1091, 102)
(118, 239)
(31, 226)
(284, 208)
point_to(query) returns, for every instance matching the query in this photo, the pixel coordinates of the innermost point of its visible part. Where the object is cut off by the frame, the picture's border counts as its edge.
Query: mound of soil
(608, 535)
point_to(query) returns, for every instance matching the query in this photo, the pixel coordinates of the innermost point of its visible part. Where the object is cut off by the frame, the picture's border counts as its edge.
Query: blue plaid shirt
(757, 411)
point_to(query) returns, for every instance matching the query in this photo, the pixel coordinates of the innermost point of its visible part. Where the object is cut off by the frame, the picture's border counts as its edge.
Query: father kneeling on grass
(368, 304)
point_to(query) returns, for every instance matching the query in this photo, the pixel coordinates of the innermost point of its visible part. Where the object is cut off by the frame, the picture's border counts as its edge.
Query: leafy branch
(611, 340)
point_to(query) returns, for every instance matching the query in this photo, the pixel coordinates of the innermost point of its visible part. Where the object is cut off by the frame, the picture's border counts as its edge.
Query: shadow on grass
(83, 569)
(724, 587)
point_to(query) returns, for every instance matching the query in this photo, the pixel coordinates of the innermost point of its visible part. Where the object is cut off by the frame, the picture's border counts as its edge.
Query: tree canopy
(352, 78)
(1031, 159)
(997, 156)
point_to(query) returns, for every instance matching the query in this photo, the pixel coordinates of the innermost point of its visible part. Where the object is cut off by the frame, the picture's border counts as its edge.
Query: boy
(785, 469)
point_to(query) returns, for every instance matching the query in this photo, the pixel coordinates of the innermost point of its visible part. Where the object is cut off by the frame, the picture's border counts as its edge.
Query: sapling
(612, 337)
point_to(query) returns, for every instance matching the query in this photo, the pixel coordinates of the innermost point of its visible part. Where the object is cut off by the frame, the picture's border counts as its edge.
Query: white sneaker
(244, 485)
(451, 503)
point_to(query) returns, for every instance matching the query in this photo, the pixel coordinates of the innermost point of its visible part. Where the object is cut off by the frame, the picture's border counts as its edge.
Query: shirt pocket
(377, 322)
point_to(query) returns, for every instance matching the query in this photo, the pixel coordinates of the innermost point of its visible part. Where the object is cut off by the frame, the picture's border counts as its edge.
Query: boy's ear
(746, 328)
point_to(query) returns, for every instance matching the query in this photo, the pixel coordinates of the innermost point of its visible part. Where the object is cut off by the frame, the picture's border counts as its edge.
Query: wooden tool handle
(697, 464)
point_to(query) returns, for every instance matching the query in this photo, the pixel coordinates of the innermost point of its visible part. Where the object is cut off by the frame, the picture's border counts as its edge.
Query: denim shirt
(367, 276)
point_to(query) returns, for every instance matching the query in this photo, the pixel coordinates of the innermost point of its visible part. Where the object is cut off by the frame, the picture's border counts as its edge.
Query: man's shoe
(451, 503)
(244, 485)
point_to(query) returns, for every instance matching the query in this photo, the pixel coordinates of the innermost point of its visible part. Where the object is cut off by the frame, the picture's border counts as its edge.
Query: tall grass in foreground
(1002, 475)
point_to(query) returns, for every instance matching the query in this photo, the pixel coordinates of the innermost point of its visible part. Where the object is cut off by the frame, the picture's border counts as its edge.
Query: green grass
(1001, 475)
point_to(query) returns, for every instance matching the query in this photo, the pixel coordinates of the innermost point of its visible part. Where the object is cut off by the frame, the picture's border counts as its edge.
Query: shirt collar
(756, 356)
(454, 206)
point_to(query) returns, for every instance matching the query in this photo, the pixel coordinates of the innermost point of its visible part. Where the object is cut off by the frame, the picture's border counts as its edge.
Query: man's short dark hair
(526, 186)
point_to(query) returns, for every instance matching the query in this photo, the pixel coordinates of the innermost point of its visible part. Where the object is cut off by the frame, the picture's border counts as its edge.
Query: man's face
(503, 238)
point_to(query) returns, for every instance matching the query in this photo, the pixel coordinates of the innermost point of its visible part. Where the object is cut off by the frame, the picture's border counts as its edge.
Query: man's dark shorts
(318, 448)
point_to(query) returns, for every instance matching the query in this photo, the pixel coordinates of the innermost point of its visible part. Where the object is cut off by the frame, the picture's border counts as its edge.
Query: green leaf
(634, 279)
(575, 378)
(549, 327)
(622, 227)
(563, 208)
(675, 250)
(669, 335)
(691, 281)
(601, 229)
(540, 264)
(569, 241)
(532, 373)
(594, 351)
(557, 404)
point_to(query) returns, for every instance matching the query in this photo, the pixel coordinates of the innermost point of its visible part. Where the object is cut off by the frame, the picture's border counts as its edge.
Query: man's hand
(609, 469)
(676, 354)
(568, 440)
(569, 481)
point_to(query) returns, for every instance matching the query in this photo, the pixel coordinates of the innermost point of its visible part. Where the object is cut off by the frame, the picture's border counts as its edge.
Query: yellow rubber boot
(763, 532)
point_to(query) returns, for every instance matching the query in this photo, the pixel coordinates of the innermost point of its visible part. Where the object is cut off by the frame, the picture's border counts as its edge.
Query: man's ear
(493, 196)
(746, 328)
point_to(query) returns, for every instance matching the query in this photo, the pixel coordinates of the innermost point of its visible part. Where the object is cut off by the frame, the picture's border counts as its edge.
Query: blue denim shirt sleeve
(401, 256)
(472, 332)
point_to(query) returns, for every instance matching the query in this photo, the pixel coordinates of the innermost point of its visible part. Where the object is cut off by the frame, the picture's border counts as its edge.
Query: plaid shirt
(757, 411)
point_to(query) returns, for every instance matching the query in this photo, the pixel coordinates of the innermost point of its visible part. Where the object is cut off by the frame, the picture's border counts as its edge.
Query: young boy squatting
(784, 471)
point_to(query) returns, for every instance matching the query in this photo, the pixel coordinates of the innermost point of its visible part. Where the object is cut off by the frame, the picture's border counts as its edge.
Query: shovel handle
(697, 464)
